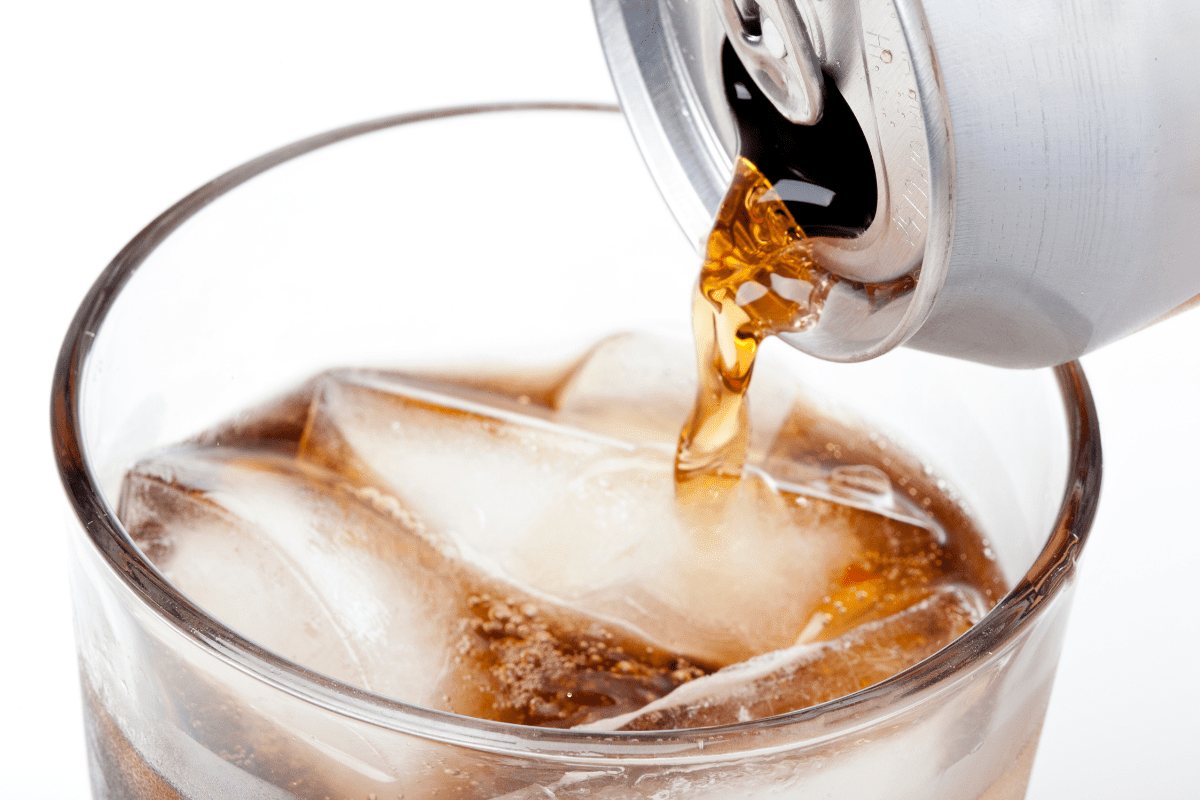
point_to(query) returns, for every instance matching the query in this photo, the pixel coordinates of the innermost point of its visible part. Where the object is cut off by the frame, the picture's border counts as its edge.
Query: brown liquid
(758, 279)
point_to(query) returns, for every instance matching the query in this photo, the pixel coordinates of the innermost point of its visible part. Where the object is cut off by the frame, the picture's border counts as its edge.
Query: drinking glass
(516, 235)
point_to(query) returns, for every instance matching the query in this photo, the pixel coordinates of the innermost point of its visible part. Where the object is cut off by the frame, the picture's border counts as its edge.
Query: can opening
(823, 172)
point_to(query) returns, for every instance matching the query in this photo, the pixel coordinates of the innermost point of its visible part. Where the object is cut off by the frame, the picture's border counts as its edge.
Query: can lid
(665, 60)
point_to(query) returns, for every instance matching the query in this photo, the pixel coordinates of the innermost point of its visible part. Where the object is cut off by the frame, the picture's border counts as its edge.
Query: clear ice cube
(480, 472)
(808, 674)
(291, 558)
(631, 386)
(641, 388)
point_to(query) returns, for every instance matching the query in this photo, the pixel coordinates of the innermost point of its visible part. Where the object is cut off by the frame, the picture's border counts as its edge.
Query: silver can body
(1060, 144)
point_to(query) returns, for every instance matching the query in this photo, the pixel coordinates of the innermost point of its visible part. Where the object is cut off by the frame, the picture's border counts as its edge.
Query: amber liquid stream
(759, 278)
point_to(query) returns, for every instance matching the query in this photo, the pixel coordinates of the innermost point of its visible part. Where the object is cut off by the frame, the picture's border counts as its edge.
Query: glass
(449, 238)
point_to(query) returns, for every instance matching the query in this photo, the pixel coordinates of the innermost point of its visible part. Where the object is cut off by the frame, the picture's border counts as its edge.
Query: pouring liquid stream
(759, 278)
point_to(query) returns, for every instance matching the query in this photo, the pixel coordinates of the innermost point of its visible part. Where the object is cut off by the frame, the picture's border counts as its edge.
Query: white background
(109, 112)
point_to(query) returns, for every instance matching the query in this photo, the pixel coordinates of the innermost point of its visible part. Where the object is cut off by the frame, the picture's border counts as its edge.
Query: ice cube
(809, 674)
(721, 589)
(634, 387)
(640, 388)
(290, 557)
(595, 521)
(346, 581)
(479, 473)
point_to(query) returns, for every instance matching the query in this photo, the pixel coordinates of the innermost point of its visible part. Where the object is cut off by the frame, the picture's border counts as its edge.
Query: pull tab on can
(665, 58)
(771, 39)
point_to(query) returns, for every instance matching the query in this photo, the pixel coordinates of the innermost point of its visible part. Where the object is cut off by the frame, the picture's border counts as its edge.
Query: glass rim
(1050, 573)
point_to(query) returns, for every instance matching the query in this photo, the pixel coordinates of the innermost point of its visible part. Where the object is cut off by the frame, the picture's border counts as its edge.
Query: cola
(516, 549)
